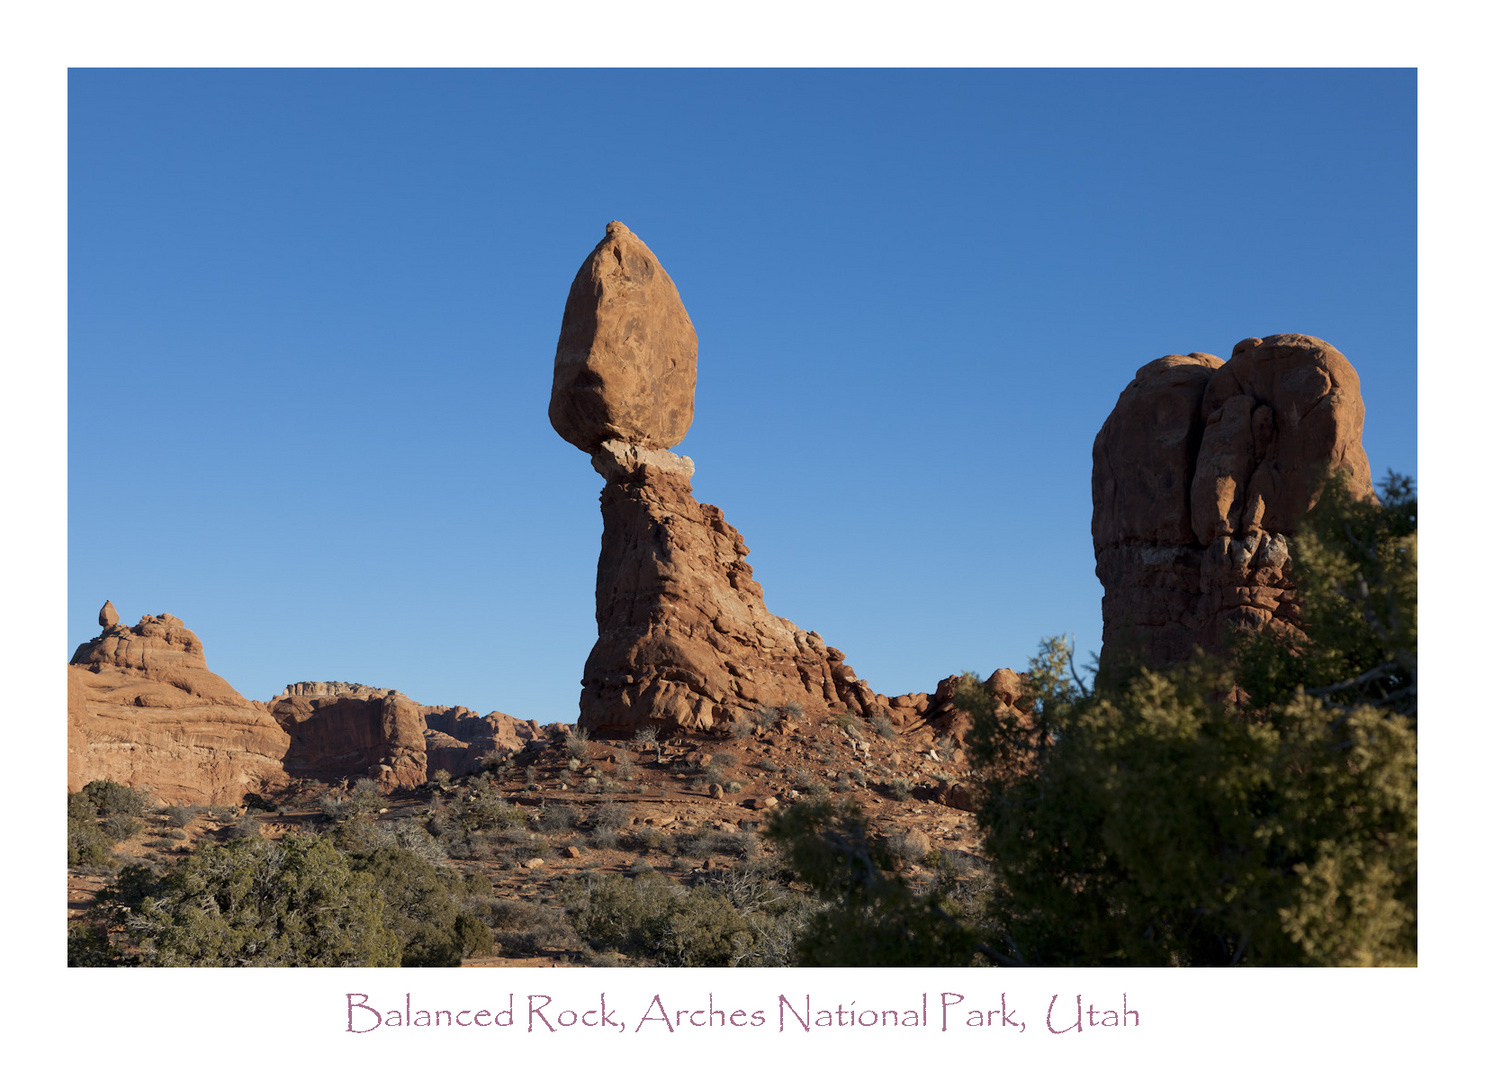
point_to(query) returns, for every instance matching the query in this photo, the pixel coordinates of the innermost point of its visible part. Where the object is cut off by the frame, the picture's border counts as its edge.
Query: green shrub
(652, 918)
(422, 905)
(524, 929)
(87, 846)
(109, 797)
(119, 827)
(251, 903)
(867, 916)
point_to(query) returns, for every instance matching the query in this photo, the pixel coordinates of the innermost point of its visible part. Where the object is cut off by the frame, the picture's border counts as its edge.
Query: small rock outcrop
(340, 730)
(144, 709)
(382, 736)
(108, 617)
(684, 639)
(1200, 475)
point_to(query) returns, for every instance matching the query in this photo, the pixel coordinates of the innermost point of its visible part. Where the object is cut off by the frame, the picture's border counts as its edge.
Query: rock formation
(684, 639)
(108, 616)
(347, 729)
(144, 709)
(1200, 475)
(626, 357)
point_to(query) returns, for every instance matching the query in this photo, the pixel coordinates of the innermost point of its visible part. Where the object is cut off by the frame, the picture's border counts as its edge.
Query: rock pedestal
(1200, 475)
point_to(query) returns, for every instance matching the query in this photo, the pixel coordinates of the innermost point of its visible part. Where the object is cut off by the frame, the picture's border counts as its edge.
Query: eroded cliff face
(684, 638)
(143, 709)
(1200, 475)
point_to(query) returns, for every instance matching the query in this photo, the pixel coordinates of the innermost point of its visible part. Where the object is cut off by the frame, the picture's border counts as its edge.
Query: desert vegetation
(1255, 809)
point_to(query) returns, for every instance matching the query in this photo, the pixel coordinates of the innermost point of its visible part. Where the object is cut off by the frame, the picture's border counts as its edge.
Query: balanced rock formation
(626, 357)
(684, 639)
(144, 709)
(1200, 475)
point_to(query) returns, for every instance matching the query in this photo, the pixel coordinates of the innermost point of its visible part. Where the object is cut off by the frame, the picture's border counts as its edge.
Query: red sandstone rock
(143, 709)
(626, 357)
(1200, 474)
(684, 639)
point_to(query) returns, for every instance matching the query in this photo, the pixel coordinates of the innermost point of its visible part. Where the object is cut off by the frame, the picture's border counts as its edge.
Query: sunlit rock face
(1200, 475)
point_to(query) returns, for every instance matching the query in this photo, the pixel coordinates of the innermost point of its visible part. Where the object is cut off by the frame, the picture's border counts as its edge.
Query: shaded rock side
(144, 709)
(1200, 475)
(626, 356)
(684, 639)
(340, 730)
(383, 737)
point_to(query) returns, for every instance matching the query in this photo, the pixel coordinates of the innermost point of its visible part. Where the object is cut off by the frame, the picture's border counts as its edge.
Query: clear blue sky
(312, 318)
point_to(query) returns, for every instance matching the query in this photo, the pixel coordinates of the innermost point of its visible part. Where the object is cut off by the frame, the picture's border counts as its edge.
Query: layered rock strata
(684, 639)
(143, 709)
(1200, 475)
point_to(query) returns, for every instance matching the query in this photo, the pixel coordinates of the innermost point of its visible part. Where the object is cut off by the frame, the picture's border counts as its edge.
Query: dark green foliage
(251, 903)
(109, 797)
(1357, 567)
(87, 846)
(1162, 827)
(422, 906)
(1173, 821)
(868, 917)
(655, 919)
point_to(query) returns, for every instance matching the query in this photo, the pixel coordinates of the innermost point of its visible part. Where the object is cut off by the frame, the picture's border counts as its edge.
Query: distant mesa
(684, 639)
(1200, 475)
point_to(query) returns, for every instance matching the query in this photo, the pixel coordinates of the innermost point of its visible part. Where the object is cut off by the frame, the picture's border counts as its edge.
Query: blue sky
(312, 317)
